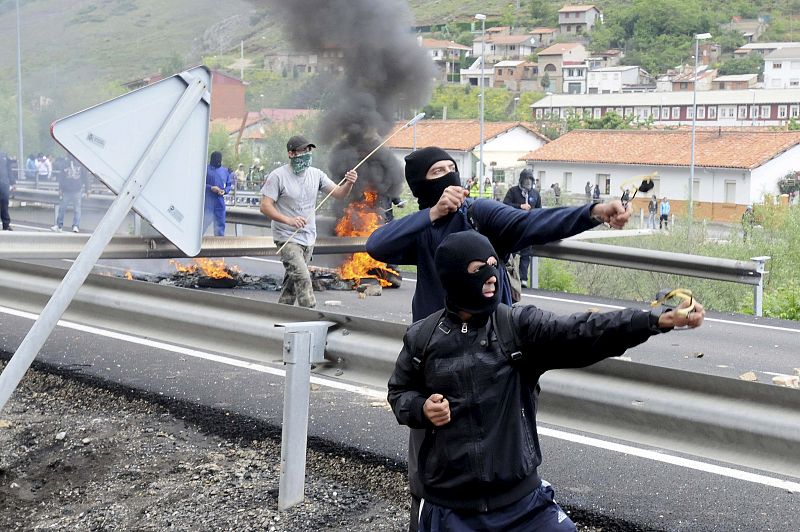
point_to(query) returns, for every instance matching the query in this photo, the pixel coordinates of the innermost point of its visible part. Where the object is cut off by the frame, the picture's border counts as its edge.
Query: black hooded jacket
(487, 456)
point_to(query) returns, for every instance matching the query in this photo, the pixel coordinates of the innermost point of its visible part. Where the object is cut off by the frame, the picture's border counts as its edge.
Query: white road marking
(369, 392)
(673, 460)
(381, 394)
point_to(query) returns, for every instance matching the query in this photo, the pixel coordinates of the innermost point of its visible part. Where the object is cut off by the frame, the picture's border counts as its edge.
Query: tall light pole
(697, 38)
(514, 109)
(20, 149)
(482, 18)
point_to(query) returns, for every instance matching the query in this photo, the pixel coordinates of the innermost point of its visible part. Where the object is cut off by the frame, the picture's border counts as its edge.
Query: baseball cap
(298, 142)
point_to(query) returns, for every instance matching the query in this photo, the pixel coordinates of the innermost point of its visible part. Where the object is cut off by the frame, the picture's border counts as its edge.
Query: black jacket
(488, 455)
(516, 197)
(7, 174)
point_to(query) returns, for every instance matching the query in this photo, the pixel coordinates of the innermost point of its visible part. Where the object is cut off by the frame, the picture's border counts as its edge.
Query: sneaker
(75, 229)
(56, 228)
(7, 228)
(524, 284)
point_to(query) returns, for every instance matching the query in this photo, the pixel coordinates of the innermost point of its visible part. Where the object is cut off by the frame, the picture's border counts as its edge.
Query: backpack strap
(426, 330)
(507, 336)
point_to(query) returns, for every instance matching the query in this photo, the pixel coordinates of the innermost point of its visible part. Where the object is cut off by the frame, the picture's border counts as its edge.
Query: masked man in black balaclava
(432, 175)
(466, 381)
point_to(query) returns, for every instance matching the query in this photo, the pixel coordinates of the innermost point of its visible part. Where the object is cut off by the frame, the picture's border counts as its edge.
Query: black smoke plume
(384, 71)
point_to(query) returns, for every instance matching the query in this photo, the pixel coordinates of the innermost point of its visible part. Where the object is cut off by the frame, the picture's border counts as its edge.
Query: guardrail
(747, 423)
(736, 271)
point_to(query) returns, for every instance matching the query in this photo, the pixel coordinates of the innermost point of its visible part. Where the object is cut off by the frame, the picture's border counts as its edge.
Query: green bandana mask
(300, 162)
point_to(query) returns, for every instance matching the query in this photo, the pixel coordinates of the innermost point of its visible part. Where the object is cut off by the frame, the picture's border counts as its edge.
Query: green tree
(751, 64)
(542, 13)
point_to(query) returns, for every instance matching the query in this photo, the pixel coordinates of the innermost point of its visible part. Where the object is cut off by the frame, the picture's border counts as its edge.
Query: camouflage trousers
(297, 279)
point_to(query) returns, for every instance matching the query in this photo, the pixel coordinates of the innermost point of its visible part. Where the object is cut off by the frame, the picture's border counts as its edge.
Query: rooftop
(437, 43)
(560, 48)
(719, 148)
(460, 135)
(569, 9)
(791, 52)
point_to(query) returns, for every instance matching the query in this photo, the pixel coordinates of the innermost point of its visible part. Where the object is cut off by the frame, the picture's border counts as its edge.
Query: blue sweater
(414, 239)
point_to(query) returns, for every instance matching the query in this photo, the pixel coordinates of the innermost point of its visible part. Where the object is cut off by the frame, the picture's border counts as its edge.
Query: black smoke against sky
(384, 70)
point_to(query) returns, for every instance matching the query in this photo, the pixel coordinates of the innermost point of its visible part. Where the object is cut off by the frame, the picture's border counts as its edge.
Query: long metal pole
(80, 269)
(20, 148)
(694, 126)
(483, 82)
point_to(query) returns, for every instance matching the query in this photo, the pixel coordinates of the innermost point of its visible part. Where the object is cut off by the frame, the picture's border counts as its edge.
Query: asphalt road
(647, 487)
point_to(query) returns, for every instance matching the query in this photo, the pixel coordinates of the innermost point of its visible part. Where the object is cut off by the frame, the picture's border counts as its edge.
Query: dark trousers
(663, 221)
(536, 511)
(5, 194)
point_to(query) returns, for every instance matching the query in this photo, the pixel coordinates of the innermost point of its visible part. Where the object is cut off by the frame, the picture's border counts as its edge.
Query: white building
(763, 48)
(611, 80)
(782, 69)
(504, 145)
(574, 77)
(732, 168)
(757, 107)
(474, 74)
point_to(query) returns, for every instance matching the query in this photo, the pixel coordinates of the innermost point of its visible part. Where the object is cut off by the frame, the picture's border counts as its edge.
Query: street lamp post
(697, 38)
(482, 18)
(20, 149)
(514, 108)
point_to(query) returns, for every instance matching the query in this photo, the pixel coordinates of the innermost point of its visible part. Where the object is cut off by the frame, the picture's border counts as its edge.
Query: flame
(128, 275)
(215, 269)
(361, 218)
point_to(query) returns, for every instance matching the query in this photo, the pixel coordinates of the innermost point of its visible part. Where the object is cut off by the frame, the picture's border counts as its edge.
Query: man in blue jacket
(433, 178)
(467, 381)
(218, 183)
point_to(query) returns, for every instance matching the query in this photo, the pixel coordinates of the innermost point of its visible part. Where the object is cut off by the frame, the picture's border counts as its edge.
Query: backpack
(502, 324)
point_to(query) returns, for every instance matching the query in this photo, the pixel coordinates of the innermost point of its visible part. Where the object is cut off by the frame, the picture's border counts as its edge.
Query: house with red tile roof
(733, 168)
(504, 144)
(578, 19)
(503, 47)
(553, 58)
(447, 56)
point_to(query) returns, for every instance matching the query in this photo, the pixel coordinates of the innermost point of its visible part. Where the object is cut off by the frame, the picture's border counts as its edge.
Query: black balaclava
(526, 175)
(216, 159)
(428, 191)
(465, 290)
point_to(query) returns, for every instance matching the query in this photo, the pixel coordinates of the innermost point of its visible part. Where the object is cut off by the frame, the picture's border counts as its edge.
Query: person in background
(241, 177)
(588, 191)
(663, 221)
(488, 190)
(556, 193)
(43, 167)
(288, 198)
(30, 167)
(218, 183)
(457, 382)
(73, 185)
(748, 222)
(652, 207)
(523, 196)
(7, 184)
(596, 193)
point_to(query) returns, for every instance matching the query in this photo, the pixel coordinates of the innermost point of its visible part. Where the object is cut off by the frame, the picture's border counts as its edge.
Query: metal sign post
(303, 345)
(80, 269)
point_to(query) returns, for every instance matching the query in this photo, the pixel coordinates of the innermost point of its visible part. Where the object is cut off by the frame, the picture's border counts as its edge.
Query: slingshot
(668, 299)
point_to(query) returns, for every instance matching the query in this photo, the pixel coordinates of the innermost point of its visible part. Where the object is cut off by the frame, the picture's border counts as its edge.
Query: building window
(604, 180)
(766, 111)
(665, 113)
(753, 111)
(655, 112)
(628, 111)
(684, 86)
(742, 111)
(794, 82)
(567, 183)
(794, 111)
(542, 175)
(689, 113)
(539, 114)
(676, 113)
(782, 111)
(597, 112)
(776, 66)
(712, 112)
(701, 113)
